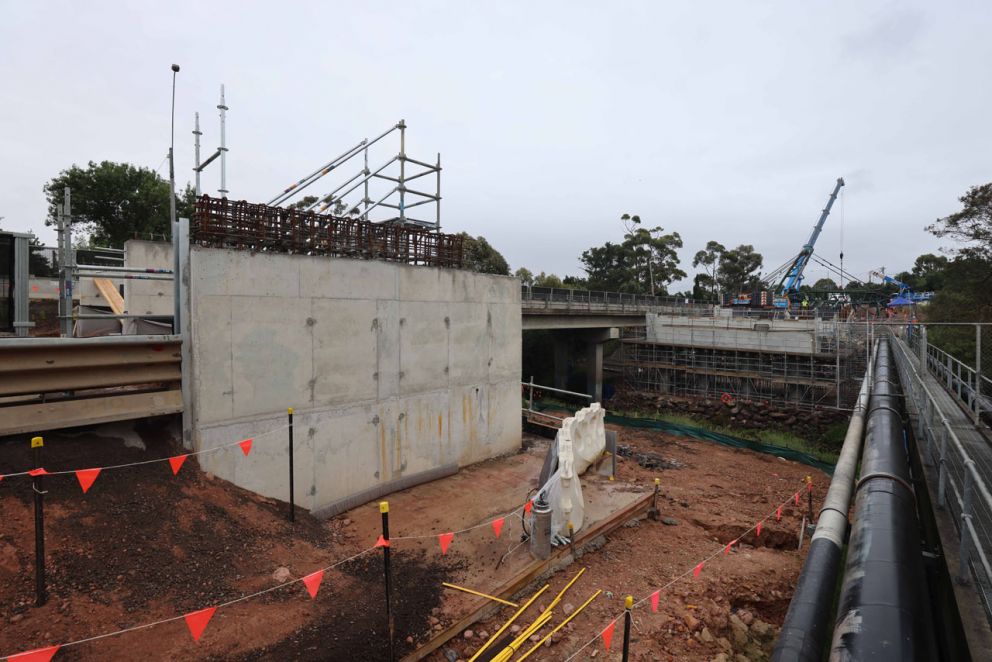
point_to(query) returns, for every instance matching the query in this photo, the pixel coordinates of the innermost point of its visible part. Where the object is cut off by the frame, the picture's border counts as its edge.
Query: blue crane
(906, 294)
(793, 278)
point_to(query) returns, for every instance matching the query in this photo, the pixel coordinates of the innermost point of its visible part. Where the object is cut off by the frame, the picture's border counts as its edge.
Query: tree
(548, 280)
(524, 275)
(481, 257)
(114, 202)
(709, 260)
(646, 262)
(825, 284)
(973, 224)
(929, 272)
(739, 269)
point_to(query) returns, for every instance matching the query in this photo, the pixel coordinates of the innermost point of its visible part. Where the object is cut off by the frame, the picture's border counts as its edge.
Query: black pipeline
(806, 630)
(884, 610)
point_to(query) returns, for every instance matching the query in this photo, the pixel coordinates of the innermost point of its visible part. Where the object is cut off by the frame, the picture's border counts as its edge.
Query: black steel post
(384, 509)
(292, 497)
(626, 627)
(38, 485)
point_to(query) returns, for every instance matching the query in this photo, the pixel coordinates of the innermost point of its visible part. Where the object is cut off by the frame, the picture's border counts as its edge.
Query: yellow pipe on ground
(508, 624)
(481, 595)
(558, 597)
(512, 648)
(560, 626)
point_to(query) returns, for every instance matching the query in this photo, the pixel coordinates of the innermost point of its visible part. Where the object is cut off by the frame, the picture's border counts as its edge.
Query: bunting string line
(143, 462)
(145, 626)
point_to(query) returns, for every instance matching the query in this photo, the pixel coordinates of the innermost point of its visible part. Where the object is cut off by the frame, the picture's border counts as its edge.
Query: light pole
(172, 206)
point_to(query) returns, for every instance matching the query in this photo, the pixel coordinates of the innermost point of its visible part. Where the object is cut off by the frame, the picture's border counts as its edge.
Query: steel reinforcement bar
(237, 224)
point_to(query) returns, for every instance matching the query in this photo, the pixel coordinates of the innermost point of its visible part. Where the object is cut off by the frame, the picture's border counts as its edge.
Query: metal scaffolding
(393, 196)
(828, 377)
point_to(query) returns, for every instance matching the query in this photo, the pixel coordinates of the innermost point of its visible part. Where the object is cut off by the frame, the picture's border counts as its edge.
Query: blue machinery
(906, 294)
(794, 278)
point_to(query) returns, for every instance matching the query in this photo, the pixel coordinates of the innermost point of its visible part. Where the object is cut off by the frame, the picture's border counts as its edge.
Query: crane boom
(794, 277)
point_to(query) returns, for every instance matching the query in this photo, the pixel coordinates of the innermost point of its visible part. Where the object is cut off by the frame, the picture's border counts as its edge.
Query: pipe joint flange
(886, 475)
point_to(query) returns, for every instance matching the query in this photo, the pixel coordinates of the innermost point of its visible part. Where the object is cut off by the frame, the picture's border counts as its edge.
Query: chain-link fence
(956, 456)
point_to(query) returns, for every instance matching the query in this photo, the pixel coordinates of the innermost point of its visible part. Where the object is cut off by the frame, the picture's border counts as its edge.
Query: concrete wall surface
(393, 370)
(746, 334)
(148, 297)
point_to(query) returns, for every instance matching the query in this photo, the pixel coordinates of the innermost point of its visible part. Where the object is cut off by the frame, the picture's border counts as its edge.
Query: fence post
(292, 498)
(978, 374)
(530, 405)
(384, 509)
(963, 567)
(37, 484)
(942, 471)
(628, 604)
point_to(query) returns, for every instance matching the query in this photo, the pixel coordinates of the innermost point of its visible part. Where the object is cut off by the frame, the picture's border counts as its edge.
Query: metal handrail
(927, 410)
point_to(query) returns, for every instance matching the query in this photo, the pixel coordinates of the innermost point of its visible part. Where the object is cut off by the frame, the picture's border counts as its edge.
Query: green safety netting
(734, 442)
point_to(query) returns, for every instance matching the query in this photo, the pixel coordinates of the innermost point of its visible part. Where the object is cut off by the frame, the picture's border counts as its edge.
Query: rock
(568, 608)
(450, 655)
(409, 640)
(722, 657)
(468, 634)
(281, 575)
(669, 521)
(535, 638)
(208, 475)
(746, 617)
(16, 618)
(738, 632)
(705, 636)
(740, 657)
(433, 620)
(594, 652)
(762, 630)
(725, 644)
(483, 634)
(514, 629)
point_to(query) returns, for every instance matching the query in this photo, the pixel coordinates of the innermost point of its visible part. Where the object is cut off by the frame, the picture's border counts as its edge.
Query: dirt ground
(144, 545)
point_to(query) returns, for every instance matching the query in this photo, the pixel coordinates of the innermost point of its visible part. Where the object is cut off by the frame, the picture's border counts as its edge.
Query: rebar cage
(241, 225)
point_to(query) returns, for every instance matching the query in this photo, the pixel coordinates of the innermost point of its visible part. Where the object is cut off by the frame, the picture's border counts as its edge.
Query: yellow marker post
(292, 491)
(37, 485)
(628, 605)
(481, 595)
(384, 509)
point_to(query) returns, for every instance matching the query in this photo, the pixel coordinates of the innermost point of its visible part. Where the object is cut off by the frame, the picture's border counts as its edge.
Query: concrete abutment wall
(395, 371)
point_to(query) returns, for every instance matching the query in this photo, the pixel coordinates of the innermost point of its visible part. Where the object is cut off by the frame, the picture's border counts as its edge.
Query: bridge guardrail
(553, 298)
(961, 487)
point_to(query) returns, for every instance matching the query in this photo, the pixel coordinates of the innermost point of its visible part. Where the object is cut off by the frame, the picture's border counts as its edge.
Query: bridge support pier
(587, 343)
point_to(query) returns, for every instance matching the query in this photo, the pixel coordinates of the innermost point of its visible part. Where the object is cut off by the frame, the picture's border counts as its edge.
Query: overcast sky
(720, 120)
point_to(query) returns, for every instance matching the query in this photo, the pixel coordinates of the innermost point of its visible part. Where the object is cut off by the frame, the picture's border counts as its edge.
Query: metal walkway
(957, 458)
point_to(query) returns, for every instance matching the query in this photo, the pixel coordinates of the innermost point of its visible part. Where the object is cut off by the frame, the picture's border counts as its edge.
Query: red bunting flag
(40, 471)
(381, 542)
(726, 550)
(797, 498)
(197, 621)
(778, 513)
(698, 569)
(177, 462)
(607, 634)
(37, 655)
(528, 506)
(758, 530)
(245, 446)
(445, 540)
(654, 600)
(312, 582)
(86, 478)
(1, 477)
(498, 526)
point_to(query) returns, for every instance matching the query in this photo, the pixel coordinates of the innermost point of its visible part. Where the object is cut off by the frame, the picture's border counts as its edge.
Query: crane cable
(843, 197)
